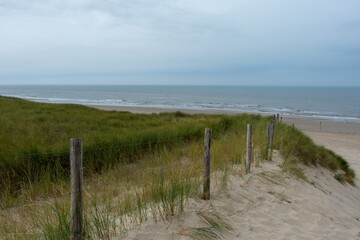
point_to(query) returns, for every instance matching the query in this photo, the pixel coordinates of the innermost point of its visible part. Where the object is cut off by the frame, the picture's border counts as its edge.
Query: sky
(187, 42)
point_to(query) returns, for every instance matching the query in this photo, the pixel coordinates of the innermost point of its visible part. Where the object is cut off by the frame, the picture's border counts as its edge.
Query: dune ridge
(271, 204)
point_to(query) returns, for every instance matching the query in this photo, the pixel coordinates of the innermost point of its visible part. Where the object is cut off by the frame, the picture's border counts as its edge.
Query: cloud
(230, 38)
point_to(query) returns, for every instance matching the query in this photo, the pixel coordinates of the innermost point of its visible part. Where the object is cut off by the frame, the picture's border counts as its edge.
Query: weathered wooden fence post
(248, 148)
(76, 167)
(267, 132)
(207, 148)
(269, 139)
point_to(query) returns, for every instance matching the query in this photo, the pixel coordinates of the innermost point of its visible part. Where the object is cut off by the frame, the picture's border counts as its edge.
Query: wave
(161, 103)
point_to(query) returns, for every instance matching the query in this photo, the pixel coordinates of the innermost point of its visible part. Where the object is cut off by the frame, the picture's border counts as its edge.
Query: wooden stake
(248, 148)
(267, 134)
(207, 147)
(271, 140)
(76, 188)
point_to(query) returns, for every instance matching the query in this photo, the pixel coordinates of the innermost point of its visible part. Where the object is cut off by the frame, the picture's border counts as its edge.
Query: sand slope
(269, 204)
(345, 145)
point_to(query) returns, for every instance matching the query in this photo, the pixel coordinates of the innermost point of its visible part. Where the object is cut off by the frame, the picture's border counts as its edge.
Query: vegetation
(295, 147)
(34, 138)
(136, 166)
(215, 226)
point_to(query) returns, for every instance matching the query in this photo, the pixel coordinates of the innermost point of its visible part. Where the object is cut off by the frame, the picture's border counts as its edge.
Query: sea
(334, 103)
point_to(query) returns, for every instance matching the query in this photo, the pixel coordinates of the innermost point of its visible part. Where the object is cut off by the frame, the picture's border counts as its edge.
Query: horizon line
(170, 85)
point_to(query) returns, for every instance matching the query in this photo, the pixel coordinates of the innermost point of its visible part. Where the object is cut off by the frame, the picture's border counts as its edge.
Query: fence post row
(76, 168)
(76, 165)
(248, 148)
(207, 148)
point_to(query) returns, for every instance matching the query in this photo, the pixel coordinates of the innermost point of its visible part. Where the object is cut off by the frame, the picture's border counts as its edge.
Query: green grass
(34, 138)
(136, 166)
(216, 226)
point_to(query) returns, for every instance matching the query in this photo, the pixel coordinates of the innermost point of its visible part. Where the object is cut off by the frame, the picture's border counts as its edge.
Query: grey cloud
(236, 39)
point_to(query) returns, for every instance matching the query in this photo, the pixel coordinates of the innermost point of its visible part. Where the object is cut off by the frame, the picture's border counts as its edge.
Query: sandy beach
(269, 204)
(149, 110)
(303, 123)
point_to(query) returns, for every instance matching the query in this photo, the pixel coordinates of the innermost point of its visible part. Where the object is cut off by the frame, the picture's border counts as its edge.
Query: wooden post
(207, 147)
(271, 140)
(267, 135)
(320, 126)
(248, 148)
(76, 168)
(271, 128)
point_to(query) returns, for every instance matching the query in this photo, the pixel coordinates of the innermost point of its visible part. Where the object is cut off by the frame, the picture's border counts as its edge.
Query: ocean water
(335, 103)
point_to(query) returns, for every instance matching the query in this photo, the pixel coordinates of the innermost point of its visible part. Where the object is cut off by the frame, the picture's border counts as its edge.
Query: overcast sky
(227, 42)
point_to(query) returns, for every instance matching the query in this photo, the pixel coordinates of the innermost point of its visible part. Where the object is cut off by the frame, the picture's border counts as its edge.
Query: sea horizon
(336, 103)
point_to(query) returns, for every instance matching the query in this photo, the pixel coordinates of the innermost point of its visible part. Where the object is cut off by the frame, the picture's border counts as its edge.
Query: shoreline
(161, 109)
(304, 123)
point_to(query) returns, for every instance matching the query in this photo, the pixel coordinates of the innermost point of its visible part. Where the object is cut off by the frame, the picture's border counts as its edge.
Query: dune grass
(295, 147)
(137, 167)
(215, 227)
(34, 138)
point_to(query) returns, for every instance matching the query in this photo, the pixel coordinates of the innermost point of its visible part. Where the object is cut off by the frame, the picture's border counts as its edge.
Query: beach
(269, 205)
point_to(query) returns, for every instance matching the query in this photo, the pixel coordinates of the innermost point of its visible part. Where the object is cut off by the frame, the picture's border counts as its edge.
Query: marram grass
(295, 147)
(137, 167)
(34, 138)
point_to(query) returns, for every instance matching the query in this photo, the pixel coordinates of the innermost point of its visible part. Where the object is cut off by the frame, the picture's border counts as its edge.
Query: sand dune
(270, 204)
(345, 145)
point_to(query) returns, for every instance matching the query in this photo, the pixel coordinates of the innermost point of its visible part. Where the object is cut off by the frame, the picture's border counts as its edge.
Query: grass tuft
(215, 229)
(291, 165)
(56, 225)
